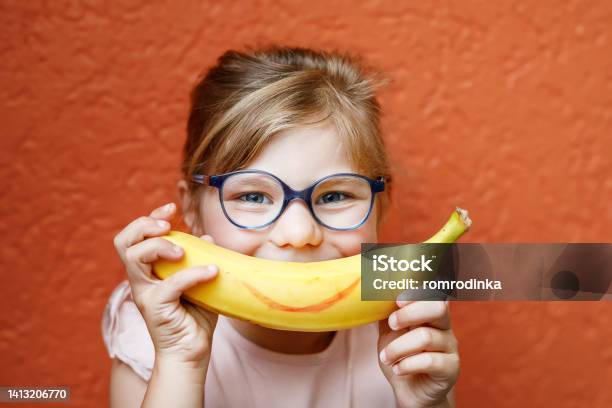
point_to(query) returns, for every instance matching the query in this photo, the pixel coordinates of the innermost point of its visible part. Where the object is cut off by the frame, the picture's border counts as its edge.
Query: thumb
(203, 317)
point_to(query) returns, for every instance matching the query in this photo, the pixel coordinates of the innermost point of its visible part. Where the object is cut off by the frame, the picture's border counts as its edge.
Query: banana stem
(458, 224)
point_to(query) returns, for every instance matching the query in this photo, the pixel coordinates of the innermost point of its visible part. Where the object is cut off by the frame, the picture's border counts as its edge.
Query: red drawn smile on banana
(315, 307)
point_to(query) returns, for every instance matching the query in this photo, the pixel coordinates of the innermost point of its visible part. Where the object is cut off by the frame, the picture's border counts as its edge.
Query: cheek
(349, 242)
(224, 232)
(369, 231)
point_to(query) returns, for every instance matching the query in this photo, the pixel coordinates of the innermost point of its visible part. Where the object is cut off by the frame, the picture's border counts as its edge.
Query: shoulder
(125, 333)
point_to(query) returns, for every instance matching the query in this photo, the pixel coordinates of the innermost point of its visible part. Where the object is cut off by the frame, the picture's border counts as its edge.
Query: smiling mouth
(315, 307)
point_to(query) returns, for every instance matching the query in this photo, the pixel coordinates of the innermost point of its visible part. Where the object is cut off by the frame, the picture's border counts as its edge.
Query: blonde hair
(248, 97)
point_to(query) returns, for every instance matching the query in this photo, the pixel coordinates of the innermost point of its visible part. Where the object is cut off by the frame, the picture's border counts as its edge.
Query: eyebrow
(256, 182)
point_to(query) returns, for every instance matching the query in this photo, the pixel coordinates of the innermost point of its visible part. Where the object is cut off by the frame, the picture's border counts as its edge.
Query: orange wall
(501, 107)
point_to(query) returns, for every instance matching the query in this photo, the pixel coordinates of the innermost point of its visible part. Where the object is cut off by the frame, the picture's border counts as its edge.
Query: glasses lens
(342, 201)
(252, 199)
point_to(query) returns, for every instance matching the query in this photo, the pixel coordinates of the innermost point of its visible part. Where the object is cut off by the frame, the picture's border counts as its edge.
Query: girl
(266, 122)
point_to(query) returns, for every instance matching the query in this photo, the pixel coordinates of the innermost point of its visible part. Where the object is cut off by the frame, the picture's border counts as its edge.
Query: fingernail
(395, 369)
(177, 249)
(383, 356)
(168, 207)
(162, 224)
(393, 321)
(402, 303)
(212, 268)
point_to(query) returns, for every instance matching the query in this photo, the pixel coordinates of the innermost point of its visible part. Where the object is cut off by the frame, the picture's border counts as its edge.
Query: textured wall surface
(501, 107)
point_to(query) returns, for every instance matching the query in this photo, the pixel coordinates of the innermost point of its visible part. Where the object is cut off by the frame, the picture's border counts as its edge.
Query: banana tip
(463, 215)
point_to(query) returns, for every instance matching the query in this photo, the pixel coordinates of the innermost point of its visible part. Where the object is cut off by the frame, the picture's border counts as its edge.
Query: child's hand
(179, 330)
(418, 353)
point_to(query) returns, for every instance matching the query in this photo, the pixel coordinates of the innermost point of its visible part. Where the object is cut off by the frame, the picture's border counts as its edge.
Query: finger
(437, 365)
(411, 295)
(434, 313)
(401, 302)
(385, 334)
(171, 289)
(138, 230)
(416, 341)
(164, 212)
(383, 327)
(208, 238)
(140, 256)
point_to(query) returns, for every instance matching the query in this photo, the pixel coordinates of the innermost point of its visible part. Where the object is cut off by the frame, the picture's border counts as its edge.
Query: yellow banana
(298, 296)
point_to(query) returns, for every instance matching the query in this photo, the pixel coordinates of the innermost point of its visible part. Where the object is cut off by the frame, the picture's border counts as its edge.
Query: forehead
(301, 155)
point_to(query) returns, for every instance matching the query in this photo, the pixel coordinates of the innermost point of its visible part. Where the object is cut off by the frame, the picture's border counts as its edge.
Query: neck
(282, 341)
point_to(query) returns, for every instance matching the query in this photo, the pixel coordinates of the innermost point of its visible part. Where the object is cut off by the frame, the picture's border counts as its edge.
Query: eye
(254, 197)
(332, 197)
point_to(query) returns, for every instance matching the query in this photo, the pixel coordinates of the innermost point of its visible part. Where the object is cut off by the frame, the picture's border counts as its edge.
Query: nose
(296, 227)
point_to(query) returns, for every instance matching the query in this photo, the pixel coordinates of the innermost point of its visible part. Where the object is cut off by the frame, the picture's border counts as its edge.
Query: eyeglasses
(253, 199)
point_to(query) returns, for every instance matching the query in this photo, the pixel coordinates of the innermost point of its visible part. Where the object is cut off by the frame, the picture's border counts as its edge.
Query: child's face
(299, 157)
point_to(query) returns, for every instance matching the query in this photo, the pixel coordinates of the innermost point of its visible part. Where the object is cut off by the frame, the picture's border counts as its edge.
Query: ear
(189, 215)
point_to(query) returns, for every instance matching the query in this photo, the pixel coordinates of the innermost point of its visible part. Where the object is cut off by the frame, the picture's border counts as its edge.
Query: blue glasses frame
(290, 194)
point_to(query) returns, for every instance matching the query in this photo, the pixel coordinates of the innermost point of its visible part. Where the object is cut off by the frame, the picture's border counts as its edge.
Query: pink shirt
(243, 374)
